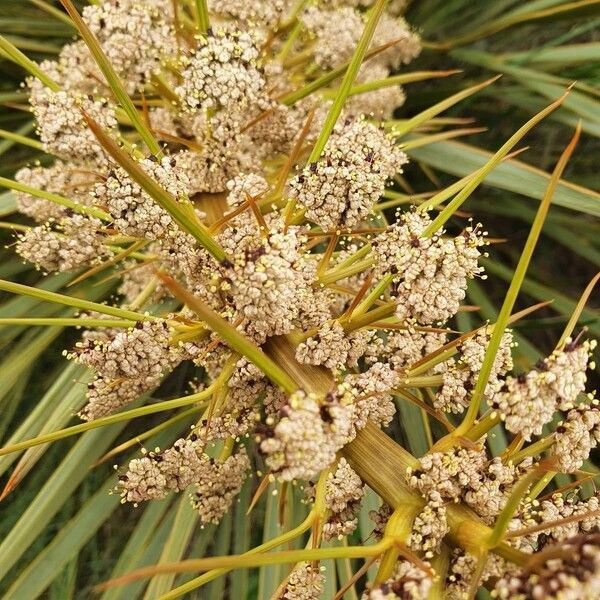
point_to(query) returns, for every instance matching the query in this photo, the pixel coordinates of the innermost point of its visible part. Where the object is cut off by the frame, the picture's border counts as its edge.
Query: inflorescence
(305, 246)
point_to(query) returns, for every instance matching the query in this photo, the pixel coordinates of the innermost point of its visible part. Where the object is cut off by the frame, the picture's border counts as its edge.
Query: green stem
(213, 574)
(202, 18)
(247, 560)
(75, 206)
(110, 420)
(370, 86)
(534, 449)
(21, 139)
(339, 273)
(182, 211)
(505, 517)
(138, 439)
(66, 322)
(26, 290)
(372, 296)
(16, 56)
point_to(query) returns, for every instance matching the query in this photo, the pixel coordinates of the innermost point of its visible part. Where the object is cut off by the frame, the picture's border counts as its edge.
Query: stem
(398, 527)
(339, 273)
(505, 517)
(14, 54)
(213, 574)
(534, 449)
(248, 560)
(79, 208)
(138, 439)
(21, 139)
(372, 297)
(66, 322)
(26, 290)
(394, 80)
(202, 18)
(181, 211)
(110, 420)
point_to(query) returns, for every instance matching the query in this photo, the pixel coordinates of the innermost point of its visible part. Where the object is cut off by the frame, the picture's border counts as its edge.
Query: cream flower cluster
(432, 272)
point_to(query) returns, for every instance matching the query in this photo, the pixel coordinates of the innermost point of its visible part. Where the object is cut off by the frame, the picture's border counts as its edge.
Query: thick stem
(382, 463)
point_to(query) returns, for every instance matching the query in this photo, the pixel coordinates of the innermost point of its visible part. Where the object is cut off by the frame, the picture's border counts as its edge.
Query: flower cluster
(432, 271)
(341, 188)
(303, 311)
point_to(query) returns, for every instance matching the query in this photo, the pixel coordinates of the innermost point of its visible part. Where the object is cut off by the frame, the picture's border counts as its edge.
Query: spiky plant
(221, 200)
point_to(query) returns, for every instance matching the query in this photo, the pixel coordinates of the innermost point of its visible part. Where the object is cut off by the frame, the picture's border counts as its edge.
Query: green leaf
(74, 534)
(346, 85)
(182, 211)
(490, 165)
(186, 520)
(231, 336)
(143, 547)
(56, 491)
(513, 290)
(512, 175)
(562, 304)
(8, 204)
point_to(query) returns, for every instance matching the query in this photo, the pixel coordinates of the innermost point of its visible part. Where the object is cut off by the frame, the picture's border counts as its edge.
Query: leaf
(186, 520)
(74, 534)
(50, 197)
(8, 204)
(513, 290)
(356, 61)
(56, 491)
(53, 411)
(112, 78)
(231, 335)
(512, 175)
(494, 161)
(407, 126)
(48, 296)
(269, 577)
(143, 547)
(561, 303)
(182, 211)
